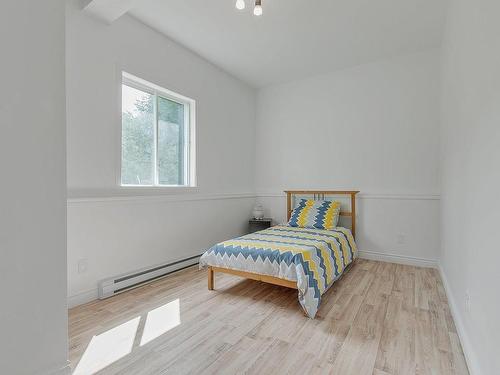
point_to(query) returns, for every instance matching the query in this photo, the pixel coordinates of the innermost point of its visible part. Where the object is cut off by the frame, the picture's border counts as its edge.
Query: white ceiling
(295, 38)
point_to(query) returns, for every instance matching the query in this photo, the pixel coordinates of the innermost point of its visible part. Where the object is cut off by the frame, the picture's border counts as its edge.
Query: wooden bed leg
(210, 278)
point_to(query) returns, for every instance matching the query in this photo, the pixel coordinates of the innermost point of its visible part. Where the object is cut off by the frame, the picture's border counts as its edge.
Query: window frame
(189, 159)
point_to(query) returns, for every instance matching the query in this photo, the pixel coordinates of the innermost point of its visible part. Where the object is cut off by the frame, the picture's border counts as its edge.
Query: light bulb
(240, 4)
(257, 10)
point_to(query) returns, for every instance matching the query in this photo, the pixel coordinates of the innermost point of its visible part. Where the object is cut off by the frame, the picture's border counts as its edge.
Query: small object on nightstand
(258, 212)
(255, 225)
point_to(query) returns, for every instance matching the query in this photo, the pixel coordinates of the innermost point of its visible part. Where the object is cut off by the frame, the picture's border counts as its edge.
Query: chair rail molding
(394, 195)
(155, 197)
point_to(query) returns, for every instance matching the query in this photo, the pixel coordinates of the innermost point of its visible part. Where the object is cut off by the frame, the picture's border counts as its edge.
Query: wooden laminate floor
(380, 319)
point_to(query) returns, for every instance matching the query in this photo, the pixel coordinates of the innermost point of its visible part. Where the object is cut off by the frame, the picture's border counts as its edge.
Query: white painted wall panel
(117, 237)
(374, 128)
(121, 236)
(33, 314)
(96, 54)
(396, 229)
(471, 178)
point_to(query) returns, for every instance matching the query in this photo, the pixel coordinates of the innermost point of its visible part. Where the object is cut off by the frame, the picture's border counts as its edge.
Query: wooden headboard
(320, 195)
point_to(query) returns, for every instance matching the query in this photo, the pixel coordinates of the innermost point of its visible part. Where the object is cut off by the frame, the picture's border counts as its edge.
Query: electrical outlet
(401, 239)
(467, 302)
(83, 265)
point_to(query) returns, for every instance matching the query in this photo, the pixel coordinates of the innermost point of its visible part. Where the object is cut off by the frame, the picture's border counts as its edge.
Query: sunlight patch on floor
(116, 343)
(161, 320)
(108, 347)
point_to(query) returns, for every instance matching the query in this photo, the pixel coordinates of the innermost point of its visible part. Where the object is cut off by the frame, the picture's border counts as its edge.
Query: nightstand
(255, 225)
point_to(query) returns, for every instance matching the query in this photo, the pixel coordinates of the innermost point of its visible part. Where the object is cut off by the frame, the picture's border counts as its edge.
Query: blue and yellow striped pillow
(315, 214)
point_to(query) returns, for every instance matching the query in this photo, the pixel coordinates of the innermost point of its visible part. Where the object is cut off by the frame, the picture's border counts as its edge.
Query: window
(157, 135)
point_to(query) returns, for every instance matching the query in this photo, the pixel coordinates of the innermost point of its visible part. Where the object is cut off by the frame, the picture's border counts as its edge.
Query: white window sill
(157, 189)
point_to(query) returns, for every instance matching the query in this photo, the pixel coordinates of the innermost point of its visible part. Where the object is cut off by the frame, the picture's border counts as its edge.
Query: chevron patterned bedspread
(314, 258)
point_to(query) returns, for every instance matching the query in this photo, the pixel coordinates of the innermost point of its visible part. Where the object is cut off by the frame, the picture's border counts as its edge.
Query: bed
(308, 259)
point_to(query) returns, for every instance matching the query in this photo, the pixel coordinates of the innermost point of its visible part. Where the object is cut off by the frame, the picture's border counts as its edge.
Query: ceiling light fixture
(240, 4)
(258, 8)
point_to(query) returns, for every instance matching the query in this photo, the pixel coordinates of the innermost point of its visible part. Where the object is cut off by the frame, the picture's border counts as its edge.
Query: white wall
(374, 128)
(33, 315)
(122, 235)
(471, 177)
(96, 54)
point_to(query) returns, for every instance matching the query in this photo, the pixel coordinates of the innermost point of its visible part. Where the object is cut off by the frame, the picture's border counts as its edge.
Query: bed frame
(290, 194)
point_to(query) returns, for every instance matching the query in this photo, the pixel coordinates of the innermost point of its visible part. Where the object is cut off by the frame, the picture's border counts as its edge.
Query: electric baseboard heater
(115, 285)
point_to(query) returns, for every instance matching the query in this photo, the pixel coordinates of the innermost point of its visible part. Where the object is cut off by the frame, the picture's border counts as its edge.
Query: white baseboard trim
(82, 297)
(469, 353)
(64, 369)
(401, 259)
(90, 295)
